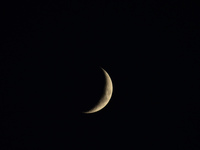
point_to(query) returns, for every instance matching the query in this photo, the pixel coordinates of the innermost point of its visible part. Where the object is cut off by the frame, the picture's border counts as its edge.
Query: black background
(50, 67)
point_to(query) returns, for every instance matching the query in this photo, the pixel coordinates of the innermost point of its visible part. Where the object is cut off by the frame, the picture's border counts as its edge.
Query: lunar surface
(105, 98)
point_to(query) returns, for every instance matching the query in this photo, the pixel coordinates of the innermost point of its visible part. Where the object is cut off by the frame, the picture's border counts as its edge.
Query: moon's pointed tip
(90, 111)
(87, 112)
(101, 67)
(104, 70)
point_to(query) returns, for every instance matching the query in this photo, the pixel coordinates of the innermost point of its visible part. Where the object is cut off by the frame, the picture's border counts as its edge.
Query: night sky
(50, 60)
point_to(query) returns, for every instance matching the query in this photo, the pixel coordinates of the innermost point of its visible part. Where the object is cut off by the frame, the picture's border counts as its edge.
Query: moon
(106, 96)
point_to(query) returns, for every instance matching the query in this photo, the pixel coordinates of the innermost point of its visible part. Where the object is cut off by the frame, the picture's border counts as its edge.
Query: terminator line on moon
(105, 98)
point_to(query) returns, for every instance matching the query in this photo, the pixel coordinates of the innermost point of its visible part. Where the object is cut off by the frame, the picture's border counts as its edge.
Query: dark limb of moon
(105, 98)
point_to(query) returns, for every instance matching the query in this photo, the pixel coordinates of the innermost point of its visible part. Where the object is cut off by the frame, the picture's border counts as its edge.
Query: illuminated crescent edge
(105, 98)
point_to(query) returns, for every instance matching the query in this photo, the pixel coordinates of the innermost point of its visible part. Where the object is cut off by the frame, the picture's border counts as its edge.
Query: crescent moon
(105, 98)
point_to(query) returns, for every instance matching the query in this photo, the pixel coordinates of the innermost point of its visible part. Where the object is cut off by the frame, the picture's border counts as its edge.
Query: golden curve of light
(108, 90)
